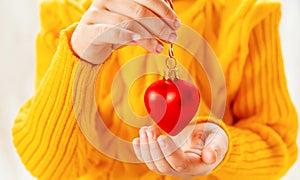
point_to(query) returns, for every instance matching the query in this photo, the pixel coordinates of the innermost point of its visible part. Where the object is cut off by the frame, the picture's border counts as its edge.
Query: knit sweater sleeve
(46, 134)
(55, 15)
(263, 138)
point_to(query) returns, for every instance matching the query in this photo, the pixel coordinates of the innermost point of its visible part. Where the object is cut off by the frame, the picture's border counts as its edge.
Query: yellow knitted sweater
(260, 119)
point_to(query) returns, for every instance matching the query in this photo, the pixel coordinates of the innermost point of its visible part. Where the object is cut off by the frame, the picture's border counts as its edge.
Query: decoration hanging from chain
(172, 102)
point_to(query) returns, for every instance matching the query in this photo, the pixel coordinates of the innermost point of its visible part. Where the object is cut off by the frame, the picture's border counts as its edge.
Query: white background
(19, 25)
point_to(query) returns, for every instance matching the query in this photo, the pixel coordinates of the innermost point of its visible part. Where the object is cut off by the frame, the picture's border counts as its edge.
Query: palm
(199, 155)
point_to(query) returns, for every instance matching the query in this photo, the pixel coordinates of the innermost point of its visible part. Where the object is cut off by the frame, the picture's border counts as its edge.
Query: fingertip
(161, 137)
(209, 156)
(142, 133)
(136, 141)
(150, 134)
(159, 48)
(162, 140)
(151, 45)
(177, 23)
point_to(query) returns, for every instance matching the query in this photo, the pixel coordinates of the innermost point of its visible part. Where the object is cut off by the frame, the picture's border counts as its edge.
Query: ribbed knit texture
(260, 119)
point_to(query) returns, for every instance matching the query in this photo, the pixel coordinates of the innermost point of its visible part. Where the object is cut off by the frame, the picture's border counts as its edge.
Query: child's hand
(201, 153)
(110, 24)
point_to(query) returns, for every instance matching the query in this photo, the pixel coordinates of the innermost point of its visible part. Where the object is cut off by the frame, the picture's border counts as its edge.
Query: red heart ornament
(172, 104)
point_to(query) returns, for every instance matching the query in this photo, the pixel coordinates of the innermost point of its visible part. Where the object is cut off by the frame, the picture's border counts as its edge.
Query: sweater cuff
(65, 46)
(64, 58)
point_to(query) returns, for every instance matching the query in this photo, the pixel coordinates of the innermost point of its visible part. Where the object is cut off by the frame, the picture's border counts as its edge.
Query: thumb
(216, 145)
(209, 155)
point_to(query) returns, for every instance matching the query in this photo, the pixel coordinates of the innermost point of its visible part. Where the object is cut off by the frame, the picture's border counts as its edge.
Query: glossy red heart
(172, 104)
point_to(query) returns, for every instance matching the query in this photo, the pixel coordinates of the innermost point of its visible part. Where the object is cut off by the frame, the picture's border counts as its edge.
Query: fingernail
(177, 23)
(159, 48)
(143, 134)
(149, 134)
(172, 38)
(136, 37)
